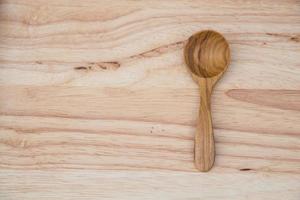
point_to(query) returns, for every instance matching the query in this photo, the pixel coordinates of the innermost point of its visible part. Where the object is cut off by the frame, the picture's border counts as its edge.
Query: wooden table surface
(96, 101)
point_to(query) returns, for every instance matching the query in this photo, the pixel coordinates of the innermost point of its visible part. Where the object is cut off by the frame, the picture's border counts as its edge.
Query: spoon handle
(204, 139)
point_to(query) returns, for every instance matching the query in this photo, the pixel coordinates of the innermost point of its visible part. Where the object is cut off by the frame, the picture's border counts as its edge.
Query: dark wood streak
(294, 38)
(92, 66)
(159, 50)
(246, 169)
(202, 69)
(80, 68)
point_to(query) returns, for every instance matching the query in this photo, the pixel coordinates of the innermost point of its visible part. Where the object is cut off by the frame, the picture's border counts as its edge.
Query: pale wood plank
(88, 91)
(83, 184)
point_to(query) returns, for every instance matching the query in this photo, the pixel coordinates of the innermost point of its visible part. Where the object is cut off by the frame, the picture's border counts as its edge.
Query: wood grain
(96, 101)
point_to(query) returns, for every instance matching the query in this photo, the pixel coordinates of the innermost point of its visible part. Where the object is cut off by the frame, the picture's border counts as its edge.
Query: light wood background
(96, 101)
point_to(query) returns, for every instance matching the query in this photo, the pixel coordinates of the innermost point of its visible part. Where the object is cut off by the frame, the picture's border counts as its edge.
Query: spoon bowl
(207, 56)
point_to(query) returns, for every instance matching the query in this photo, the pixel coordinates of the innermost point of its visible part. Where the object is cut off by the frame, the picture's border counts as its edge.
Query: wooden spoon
(207, 56)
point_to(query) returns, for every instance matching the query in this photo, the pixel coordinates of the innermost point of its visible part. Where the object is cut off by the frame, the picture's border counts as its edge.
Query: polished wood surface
(96, 101)
(207, 56)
